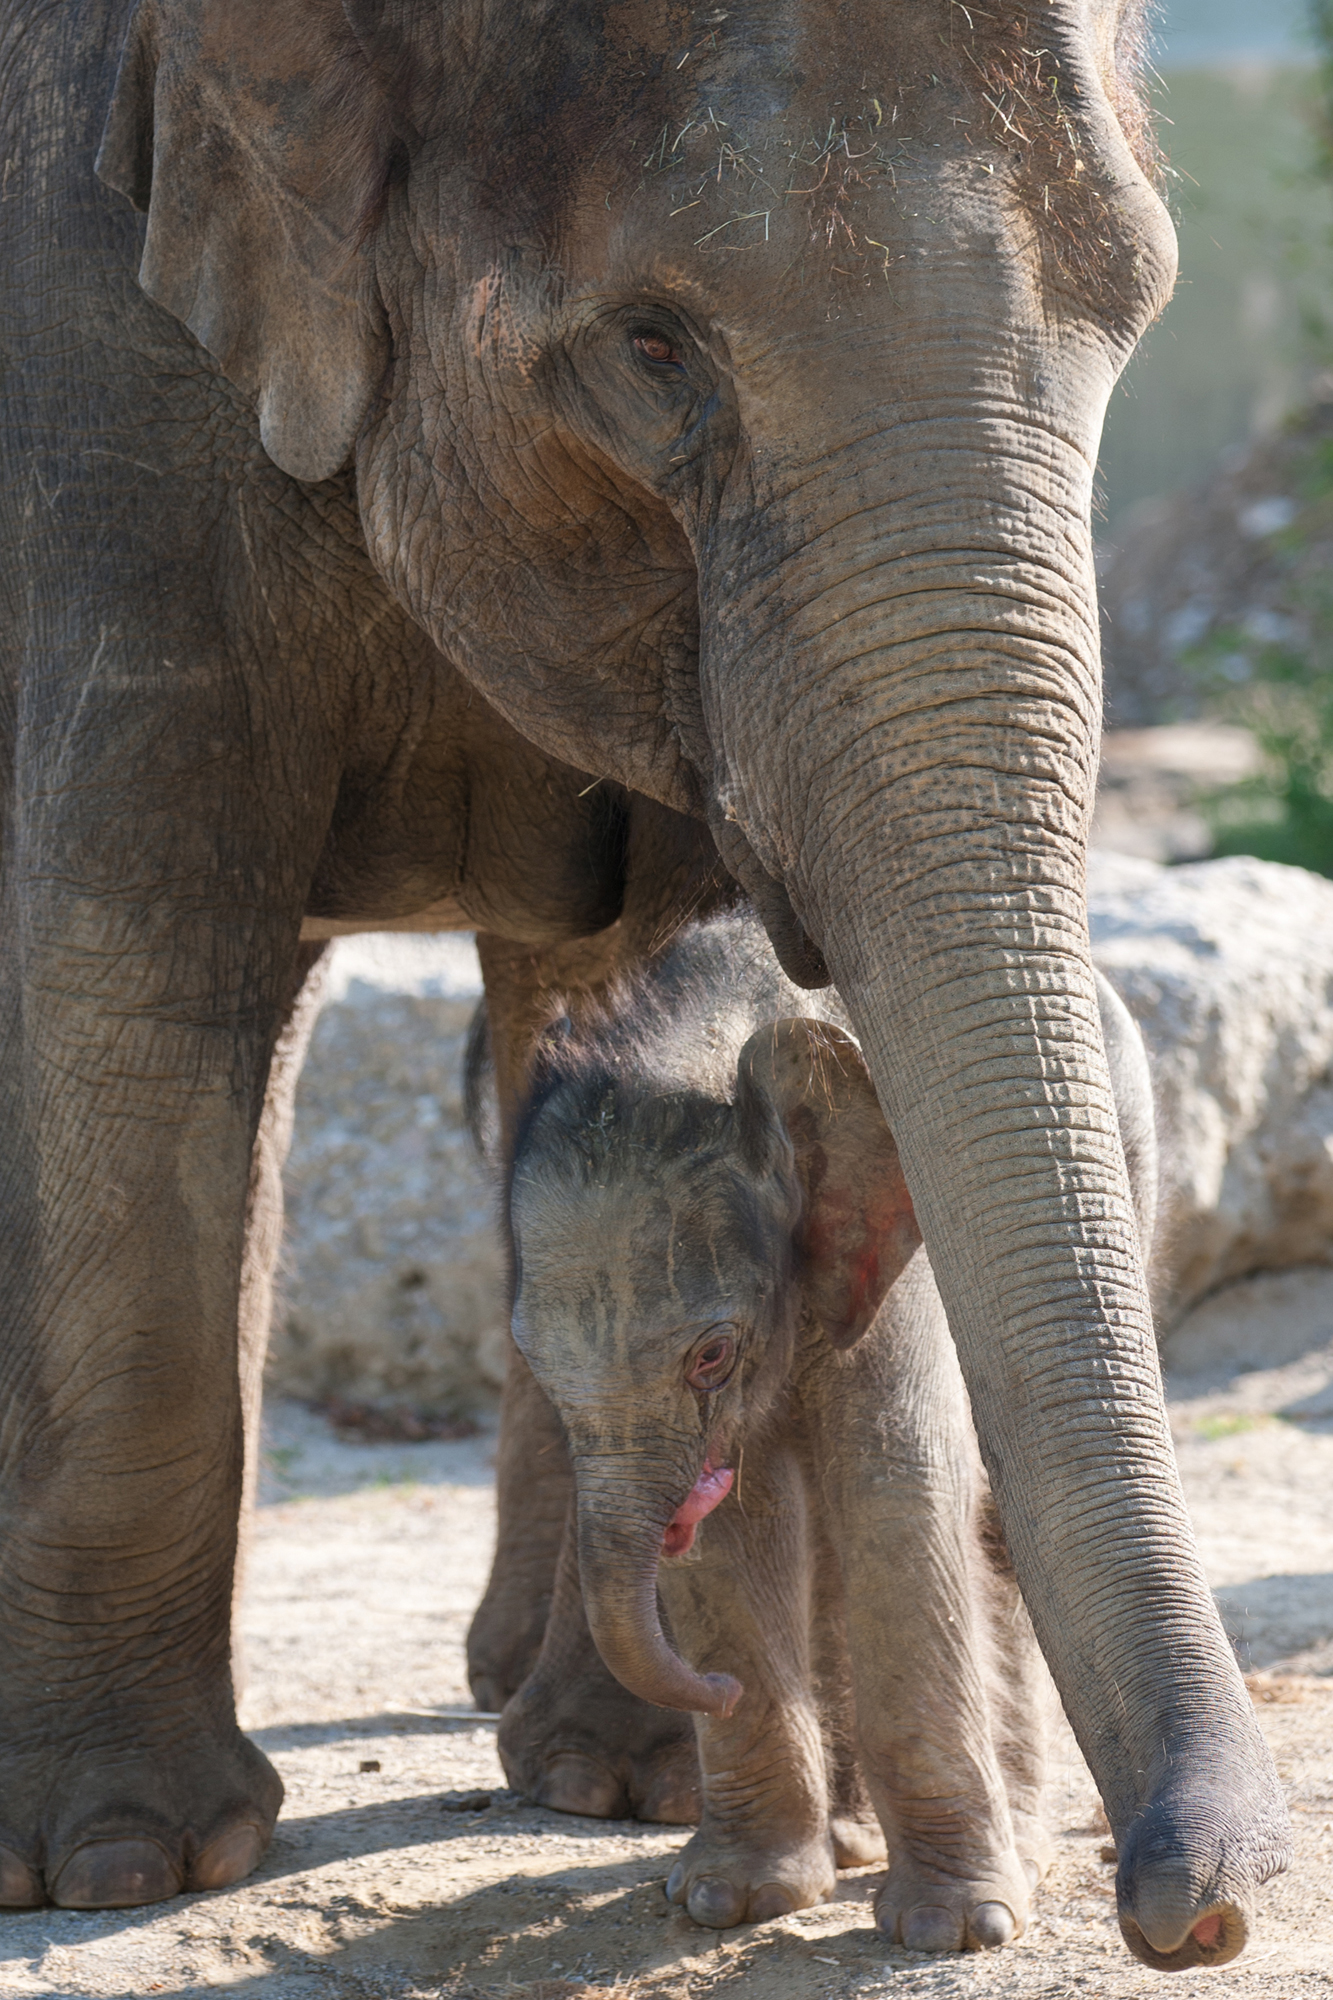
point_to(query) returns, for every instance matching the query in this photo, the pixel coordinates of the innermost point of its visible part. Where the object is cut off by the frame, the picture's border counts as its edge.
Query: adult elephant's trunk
(620, 1544)
(922, 617)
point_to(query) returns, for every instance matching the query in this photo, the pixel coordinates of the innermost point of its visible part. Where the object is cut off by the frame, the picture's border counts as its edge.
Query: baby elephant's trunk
(618, 1557)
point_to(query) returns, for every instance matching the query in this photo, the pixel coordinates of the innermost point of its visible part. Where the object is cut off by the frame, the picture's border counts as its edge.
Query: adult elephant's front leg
(263, 1241)
(151, 912)
(534, 1483)
(573, 1738)
(533, 1486)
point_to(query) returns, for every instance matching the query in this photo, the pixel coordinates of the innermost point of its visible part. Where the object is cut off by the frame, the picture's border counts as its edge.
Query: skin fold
(437, 431)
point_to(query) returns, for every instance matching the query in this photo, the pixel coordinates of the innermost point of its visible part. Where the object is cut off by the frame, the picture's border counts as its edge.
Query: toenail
(675, 1884)
(20, 1886)
(115, 1875)
(573, 1783)
(714, 1901)
(930, 1927)
(227, 1858)
(991, 1925)
(1208, 1931)
(772, 1900)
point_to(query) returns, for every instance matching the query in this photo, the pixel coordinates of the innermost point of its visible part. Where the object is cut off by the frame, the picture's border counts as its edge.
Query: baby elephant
(720, 1282)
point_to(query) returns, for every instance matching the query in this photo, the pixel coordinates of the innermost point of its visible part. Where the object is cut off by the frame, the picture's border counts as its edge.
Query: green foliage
(1320, 18)
(1229, 1423)
(1283, 692)
(1285, 812)
(1252, 317)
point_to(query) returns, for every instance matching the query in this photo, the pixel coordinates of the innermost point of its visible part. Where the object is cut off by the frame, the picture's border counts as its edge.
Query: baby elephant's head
(669, 1245)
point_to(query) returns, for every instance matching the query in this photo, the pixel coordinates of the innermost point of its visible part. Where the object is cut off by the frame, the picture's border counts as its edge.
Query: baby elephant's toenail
(715, 1902)
(20, 1886)
(116, 1875)
(991, 1925)
(772, 1900)
(675, 1885)
(227, 1858)
(930, 1927)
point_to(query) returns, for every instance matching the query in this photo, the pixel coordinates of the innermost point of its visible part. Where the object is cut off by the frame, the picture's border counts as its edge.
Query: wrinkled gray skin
(718, 399)
(706, 1173)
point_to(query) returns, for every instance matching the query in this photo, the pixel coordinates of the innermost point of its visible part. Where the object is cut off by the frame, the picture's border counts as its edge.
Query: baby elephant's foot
(857, 1842)
(1033, 1845)
(723, 1881)
(924, 1908)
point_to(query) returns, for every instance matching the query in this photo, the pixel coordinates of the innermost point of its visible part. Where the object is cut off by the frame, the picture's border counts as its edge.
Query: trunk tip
(724, 1693)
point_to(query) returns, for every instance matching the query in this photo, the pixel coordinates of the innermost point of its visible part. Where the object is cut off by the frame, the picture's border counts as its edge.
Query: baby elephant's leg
(858, 1838)
(901, 1490)
(1022, 1692)
(741, 1605)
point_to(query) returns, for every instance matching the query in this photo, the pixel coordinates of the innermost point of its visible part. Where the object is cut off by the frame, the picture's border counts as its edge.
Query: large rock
(1228, 968)
(393, 1286)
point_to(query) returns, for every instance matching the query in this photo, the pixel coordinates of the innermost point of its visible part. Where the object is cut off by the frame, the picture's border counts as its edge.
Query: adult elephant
(717, 393)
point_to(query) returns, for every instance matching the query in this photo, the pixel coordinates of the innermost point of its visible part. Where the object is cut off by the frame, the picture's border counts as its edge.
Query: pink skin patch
(1208, 1931)
(712, 1486)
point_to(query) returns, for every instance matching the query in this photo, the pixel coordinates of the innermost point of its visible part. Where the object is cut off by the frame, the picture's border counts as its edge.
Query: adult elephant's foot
(724, 1879)
(114, 1826)
(581, 1743)
(1184, 1901)
(927, 1907)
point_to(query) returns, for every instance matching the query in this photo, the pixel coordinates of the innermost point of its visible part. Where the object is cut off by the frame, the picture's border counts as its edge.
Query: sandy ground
(366, 1563)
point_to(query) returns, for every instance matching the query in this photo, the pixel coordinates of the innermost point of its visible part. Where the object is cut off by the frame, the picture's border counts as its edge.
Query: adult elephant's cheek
(709, 1490)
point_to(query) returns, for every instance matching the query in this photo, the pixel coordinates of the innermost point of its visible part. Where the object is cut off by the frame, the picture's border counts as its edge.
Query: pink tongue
(709, 1488)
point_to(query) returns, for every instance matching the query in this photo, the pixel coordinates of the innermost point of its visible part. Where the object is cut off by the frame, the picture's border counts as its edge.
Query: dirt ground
(385, 1883)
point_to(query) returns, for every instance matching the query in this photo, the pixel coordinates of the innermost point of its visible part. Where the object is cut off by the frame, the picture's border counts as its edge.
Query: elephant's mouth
(711, 1487)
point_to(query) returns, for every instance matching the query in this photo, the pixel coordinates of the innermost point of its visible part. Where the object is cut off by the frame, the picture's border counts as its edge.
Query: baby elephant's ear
(858, 1229)
(258, 137)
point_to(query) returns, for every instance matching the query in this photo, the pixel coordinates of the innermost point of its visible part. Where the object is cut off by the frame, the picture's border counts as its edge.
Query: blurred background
(1242, 342)
(1215, 497)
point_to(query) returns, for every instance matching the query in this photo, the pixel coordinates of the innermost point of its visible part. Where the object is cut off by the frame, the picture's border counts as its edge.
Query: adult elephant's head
(723, 388)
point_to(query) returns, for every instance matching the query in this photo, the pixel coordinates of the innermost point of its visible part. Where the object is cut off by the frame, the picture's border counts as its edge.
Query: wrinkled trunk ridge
(620, 1545)
(938, 758)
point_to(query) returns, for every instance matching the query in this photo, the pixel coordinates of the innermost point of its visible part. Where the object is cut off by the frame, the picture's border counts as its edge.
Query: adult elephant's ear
(259, 136)
(857, 1229)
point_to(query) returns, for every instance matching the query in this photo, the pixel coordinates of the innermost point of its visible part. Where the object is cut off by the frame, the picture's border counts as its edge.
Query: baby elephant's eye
(712, 1363)
(656, 348)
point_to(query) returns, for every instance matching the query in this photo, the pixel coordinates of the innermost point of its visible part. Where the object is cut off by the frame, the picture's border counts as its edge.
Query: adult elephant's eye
(712, 1363)
(657, 350)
